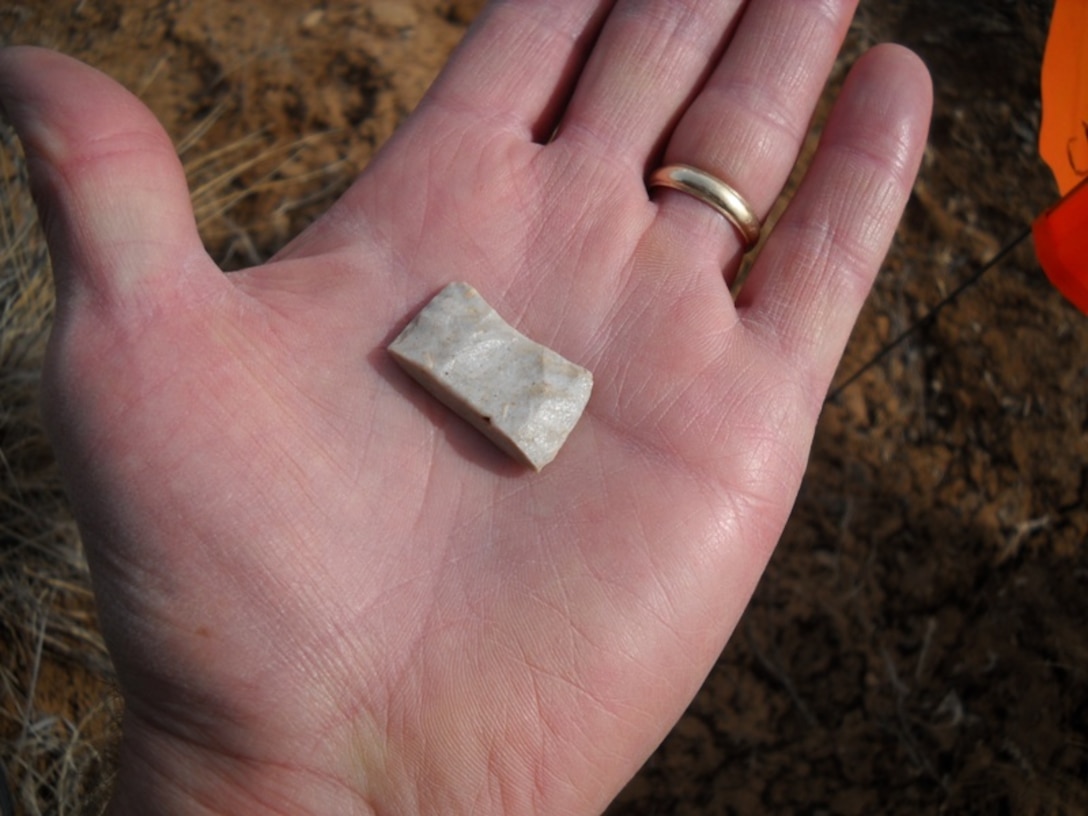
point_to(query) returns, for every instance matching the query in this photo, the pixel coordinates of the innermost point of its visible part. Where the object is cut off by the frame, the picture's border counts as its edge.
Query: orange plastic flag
(1061, 245)
(1063, 136)
(1061, 232)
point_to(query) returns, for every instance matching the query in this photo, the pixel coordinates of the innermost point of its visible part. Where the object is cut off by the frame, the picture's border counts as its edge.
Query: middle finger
(650, 59)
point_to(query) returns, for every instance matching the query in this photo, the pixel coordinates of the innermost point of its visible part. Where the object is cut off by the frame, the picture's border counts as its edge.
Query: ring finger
(747, 124)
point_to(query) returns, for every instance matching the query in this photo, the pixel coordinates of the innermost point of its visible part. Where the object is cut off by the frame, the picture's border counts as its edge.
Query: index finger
(518, 61)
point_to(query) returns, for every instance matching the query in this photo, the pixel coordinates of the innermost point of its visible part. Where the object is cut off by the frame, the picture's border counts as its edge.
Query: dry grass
(59, 713)
(53, 750)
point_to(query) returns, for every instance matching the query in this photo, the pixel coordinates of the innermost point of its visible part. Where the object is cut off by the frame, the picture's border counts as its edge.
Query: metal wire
(929, 316)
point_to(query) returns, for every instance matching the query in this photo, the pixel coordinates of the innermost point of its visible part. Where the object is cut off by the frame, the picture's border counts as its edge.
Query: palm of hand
(336, 518)
(305, 565)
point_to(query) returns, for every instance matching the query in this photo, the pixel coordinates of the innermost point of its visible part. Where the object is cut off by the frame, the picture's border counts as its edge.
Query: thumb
(110, 189)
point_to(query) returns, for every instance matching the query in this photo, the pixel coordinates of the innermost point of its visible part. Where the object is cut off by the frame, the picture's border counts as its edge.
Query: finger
(651, 57)
(109, 186)
(747, 125)
(518, 61)
(805, 290)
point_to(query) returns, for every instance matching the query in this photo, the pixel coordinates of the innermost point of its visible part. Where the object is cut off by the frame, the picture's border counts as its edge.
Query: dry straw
(59, 713)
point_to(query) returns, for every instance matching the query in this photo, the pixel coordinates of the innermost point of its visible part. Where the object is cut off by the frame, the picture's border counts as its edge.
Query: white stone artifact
(521, 395)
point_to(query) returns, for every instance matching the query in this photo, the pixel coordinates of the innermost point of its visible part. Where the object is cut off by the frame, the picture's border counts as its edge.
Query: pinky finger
(809, 282)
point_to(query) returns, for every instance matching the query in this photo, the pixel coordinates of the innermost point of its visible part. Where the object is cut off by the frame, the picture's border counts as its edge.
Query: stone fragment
(521, 395)
(393, 14)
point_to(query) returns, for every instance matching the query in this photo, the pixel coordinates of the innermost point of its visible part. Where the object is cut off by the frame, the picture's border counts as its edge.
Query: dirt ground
(917, 645)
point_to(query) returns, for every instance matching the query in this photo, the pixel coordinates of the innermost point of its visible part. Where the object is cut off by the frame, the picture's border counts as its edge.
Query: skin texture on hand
(324, 593)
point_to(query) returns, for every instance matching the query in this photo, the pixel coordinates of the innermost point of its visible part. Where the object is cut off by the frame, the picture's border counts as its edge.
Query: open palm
(324, 592)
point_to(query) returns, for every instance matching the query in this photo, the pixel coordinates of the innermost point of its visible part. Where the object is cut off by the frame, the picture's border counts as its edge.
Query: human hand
(322, 592)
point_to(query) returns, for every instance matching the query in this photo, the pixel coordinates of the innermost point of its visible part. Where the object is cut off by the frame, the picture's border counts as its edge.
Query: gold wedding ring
(712, 191)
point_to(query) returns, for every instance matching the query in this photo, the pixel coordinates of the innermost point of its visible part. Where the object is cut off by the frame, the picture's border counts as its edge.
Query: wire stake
(929, 316)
